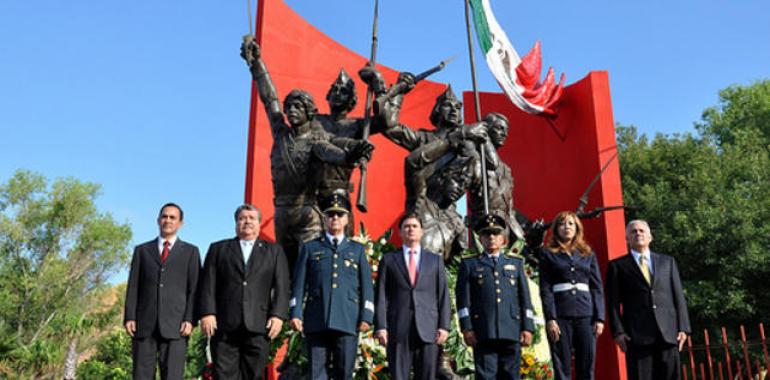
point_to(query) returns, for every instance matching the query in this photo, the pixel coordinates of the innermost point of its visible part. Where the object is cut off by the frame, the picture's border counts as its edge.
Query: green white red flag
(519, 78)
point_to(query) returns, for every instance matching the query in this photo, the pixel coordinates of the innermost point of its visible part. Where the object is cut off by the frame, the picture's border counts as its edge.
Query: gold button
(334, 274)
(496, 274)
(498, 291)
(497, 281)
(334, 286)
(499, 300)
(335, 255)
(335, 265)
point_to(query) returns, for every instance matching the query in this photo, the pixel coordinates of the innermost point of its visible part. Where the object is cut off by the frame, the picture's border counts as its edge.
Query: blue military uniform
(493, 301)
(332, 293)
(571, 291)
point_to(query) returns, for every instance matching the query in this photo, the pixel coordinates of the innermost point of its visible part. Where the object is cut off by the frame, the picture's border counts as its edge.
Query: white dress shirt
(246, 247)
(171, 243)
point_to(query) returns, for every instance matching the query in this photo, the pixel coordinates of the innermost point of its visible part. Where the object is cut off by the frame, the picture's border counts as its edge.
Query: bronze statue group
(320, 281)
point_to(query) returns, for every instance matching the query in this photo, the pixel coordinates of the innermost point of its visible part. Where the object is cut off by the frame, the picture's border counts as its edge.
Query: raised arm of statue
(250, 52)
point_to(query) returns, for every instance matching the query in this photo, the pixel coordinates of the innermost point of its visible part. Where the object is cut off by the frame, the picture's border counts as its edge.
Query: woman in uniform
(573, 301)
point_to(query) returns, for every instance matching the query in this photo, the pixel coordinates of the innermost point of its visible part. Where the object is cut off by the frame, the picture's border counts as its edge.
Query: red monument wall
(552, 163)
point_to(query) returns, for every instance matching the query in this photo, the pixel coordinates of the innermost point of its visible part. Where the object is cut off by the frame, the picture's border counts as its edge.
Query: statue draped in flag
(518, 78)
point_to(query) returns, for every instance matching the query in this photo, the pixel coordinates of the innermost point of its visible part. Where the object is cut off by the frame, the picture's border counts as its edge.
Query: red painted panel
(553, 163)
(300, 56)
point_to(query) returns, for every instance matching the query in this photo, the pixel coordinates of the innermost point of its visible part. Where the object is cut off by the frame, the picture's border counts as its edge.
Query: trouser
(239, 354)
(659, 361)
(411, 352)
(331, 354)
(576, 336)
(497, 359)
(168, 353)
(295, 225)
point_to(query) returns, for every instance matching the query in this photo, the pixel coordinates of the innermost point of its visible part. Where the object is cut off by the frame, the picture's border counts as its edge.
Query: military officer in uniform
(332, 295)
(494, 305)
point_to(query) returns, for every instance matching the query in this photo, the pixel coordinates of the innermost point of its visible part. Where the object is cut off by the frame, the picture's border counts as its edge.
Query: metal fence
(742, 360)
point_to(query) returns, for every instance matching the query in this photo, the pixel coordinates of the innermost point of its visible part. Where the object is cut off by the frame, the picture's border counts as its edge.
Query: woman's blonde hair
(577, 243)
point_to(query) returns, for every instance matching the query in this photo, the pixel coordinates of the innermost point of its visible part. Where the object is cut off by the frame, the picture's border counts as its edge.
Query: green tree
(707, 198)
(56, 253)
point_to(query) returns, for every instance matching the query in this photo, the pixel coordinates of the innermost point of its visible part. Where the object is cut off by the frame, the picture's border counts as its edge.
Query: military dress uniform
(571, 291)
(493, 300)
(332, 293)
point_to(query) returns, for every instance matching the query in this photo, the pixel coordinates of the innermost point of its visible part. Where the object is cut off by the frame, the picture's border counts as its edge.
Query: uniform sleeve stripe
(463, 313)
(369, 306)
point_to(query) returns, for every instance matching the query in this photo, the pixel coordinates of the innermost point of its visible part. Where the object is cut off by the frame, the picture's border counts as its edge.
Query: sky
(150, 99)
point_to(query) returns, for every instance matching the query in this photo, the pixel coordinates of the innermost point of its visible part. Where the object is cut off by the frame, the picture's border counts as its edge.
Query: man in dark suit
(494, 305)
(244, 298)
(332, 295)
(645, 285)
(160, 298)
(413, 310)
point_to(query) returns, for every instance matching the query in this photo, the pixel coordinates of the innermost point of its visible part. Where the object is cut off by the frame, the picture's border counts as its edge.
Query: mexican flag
(519, 78)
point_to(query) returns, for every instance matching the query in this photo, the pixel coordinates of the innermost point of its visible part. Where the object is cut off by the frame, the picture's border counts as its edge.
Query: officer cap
(338, 201)
(490, 224)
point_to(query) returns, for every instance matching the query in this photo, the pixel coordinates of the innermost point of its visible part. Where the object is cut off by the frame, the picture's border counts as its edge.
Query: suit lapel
(486, 260)
(655, 265)
(256, 250)
(236, 254)
(401, 265)
(426, 266)
(176, 249)
(154, 252)
(634, 267)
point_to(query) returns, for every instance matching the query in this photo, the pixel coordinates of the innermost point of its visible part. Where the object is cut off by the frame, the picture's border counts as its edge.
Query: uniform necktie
(494, 261)
(164, 255)
(412, 268)
(334, 243)
(645, 267)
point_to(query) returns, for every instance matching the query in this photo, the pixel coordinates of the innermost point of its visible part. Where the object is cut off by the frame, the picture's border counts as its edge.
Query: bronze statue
(298, 147)
(499, 179)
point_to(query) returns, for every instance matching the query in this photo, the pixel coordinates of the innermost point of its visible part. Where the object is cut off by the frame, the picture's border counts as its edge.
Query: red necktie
(412, 268)
(164, 255)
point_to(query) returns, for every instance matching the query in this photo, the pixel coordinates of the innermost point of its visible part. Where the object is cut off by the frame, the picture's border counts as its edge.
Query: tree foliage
(707, 198)
(57, 252)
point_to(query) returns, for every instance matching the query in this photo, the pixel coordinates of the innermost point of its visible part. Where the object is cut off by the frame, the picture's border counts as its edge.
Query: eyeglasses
(332, 214)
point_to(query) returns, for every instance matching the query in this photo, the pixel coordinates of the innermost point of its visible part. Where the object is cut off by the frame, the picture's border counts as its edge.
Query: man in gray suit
(160, 294)
(413, 311)
(647, 309)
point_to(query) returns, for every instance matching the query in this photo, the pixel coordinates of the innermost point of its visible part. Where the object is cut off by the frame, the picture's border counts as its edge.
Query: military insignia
(509, 267)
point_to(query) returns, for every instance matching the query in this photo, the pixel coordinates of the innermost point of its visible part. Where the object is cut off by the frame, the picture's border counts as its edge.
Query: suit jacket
(239, 293)
(162, 294)
(494, 301)
(647, 309)
(561, 268)
(332, 289)
(399, 305)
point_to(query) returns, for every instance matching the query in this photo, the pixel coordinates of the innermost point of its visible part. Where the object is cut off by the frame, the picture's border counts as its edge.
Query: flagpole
(477, 105)
(361, 203)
